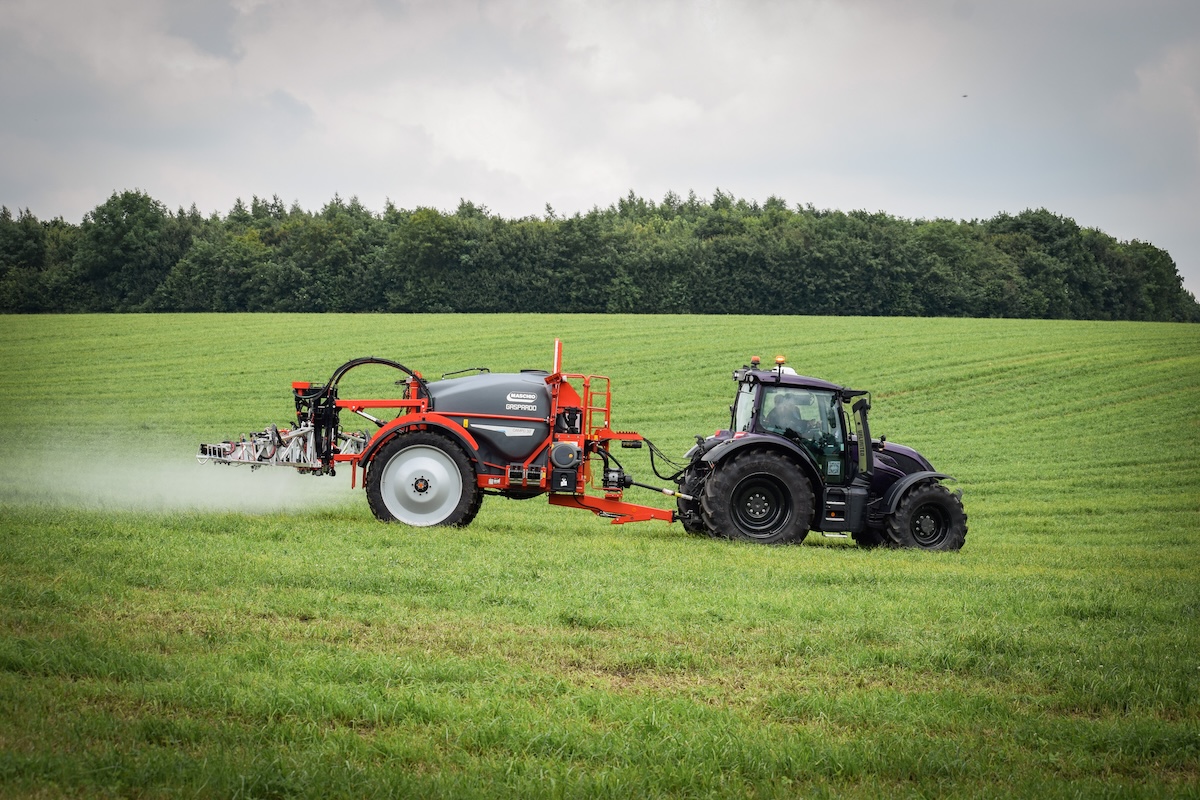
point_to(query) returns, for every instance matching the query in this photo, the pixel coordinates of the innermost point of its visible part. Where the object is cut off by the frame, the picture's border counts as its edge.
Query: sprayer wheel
(423, 479)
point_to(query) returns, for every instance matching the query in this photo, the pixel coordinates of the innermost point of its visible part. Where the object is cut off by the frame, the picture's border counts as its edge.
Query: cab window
(809, 416)
(743, 407)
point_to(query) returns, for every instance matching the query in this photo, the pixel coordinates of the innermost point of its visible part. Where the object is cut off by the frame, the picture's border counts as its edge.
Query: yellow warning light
(755, 361)
(780, 361)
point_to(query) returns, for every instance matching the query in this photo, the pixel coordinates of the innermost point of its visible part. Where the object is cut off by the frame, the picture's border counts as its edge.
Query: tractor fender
(427, 420)
(730, 446)
(895, 492)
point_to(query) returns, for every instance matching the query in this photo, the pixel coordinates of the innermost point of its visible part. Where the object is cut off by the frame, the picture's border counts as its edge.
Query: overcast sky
(931, 108)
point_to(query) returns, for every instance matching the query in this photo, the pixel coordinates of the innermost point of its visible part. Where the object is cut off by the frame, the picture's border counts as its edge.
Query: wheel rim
(421, 485)
(930, 523)
(761, 506)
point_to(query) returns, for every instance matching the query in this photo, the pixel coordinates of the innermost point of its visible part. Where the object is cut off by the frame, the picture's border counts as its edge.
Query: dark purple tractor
(798, 456)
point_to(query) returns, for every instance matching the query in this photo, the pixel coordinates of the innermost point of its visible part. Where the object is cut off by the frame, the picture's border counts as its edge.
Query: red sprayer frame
(595, 434)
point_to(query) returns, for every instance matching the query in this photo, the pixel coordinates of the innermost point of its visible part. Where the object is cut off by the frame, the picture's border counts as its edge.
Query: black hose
(680, 468)
(322, 406)
(606, 455)
(341, 371)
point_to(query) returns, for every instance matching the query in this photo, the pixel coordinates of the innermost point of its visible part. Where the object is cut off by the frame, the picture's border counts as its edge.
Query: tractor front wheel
(929, 517)
(423, 479)
(758, 496)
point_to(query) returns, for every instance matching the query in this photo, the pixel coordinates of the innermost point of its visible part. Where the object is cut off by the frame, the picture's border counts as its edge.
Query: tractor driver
(785, 416)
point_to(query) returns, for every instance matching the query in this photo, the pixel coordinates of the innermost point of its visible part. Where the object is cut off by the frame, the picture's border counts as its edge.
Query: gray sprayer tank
(475, 397)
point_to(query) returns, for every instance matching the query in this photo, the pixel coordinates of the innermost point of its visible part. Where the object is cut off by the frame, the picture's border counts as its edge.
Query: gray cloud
(1091, 109)
(208, 25)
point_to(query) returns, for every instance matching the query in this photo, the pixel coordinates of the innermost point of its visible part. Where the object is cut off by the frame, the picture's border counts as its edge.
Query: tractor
(798, 456)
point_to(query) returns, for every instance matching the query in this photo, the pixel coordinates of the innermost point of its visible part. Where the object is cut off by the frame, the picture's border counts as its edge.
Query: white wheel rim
(421, 485)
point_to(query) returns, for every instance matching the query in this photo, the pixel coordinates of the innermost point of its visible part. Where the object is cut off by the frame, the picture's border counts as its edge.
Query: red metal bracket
(620, 512)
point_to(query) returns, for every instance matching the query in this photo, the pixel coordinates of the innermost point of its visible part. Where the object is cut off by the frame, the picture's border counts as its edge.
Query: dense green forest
(723, 255)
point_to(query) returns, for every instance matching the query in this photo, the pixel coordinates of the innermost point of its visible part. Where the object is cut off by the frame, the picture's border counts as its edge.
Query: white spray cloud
(93, 478)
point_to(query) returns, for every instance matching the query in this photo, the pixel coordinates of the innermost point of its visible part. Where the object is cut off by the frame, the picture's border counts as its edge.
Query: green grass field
(169, 629)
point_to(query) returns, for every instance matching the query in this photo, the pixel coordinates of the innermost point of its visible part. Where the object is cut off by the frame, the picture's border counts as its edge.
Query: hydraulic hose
(679, 469)
(605, 456)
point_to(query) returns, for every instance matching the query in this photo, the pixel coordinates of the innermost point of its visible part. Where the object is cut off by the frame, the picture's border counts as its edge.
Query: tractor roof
(783, 378)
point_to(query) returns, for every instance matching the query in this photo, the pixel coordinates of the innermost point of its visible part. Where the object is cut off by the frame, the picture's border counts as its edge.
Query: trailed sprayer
(797, 456)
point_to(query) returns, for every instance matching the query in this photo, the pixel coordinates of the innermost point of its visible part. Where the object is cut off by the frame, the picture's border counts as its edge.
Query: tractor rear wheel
(758, 496)
(423, 479)
(929, 517)
(689, 510)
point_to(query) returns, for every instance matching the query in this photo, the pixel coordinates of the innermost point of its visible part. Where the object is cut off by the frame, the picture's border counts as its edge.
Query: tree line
(681, 255)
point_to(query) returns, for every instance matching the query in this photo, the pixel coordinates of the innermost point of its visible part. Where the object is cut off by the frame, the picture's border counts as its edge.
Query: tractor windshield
(808, 414)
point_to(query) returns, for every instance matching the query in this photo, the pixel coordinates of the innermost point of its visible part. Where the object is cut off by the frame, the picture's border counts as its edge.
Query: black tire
(423, 479)
(758, 496)
(690, 514)
(929, 517)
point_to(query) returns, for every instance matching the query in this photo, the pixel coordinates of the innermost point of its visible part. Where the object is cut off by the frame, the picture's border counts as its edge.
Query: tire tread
(715, 502)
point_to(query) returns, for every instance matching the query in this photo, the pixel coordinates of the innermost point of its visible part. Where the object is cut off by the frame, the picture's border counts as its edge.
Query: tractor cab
(824, 419)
